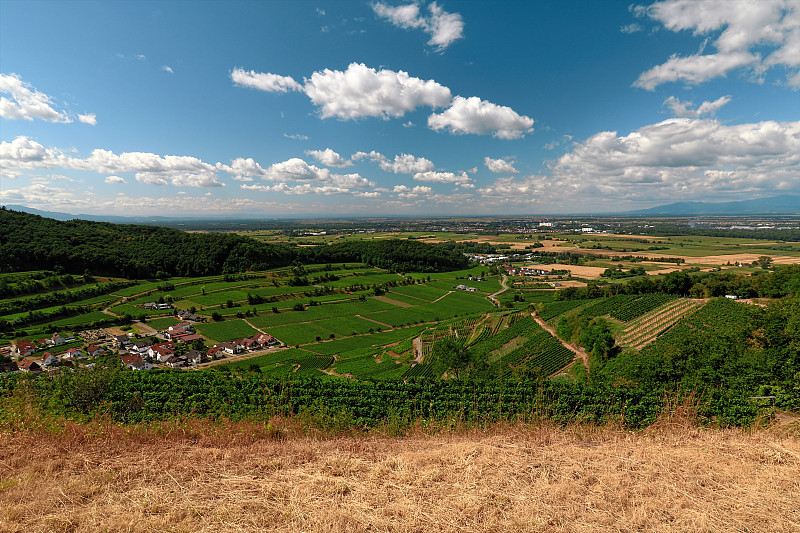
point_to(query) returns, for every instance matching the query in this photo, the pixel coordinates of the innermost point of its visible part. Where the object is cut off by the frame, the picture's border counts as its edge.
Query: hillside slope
(32, 242)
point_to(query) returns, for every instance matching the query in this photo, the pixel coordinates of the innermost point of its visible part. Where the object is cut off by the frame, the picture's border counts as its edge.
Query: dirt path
(492, 296)
(398, 303)
(142, 327)
(418, 349)
(252, 326)
(580, 353)
(371, 320)
(442, 296)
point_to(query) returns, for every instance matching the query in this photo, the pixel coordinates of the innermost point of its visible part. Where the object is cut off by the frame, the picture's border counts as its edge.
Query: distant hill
(786, 204)
(33, 242)
(95, 218)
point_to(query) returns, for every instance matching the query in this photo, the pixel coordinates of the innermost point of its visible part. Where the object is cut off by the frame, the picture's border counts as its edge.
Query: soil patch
(393, 302)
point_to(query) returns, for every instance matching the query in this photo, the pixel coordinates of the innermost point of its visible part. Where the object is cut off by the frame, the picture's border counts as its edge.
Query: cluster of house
(487, 259)
(525, 271)
(138, 355)
(134, 354)
(26, 348)
(156, 305)
(188, 315)
(183, 332)
(262, 340)
(466, 288)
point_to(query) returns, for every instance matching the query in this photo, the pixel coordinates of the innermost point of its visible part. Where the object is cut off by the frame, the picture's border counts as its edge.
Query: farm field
(354, 318)
(226, 331)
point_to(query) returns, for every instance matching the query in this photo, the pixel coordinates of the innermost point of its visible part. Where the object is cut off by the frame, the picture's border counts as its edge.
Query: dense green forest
(31, 242)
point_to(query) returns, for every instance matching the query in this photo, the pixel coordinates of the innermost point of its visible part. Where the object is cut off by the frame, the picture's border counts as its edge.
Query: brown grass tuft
(196, 475)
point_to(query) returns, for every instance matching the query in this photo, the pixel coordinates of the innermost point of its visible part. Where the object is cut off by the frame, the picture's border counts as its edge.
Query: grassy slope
(205, 476)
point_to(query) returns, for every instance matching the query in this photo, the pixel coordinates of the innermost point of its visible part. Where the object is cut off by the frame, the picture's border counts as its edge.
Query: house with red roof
(212, 352)
(71, 354)
(135, 362)
(56, 339)
(47, 359)
(162, 353)
(94, 350)
(29, 365)
(265, 339)
(25, 348)
(231, 348)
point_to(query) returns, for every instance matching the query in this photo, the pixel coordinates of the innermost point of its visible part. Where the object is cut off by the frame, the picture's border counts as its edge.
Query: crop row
(648, 326)
(554, 309)
(138, 396)
(630, 310)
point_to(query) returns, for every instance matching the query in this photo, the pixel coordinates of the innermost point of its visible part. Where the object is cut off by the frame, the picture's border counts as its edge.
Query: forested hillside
(29, 242)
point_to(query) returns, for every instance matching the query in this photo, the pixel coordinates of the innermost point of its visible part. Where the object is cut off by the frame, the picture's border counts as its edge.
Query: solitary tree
(453, 355)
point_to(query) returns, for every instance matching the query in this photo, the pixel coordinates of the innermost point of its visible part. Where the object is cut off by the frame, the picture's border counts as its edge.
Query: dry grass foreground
(197, 476)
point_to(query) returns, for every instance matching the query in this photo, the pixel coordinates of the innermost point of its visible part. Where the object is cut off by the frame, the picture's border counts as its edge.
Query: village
(178, 346)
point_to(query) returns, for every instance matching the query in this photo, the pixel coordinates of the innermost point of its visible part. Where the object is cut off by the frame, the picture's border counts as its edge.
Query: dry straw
(197, 475)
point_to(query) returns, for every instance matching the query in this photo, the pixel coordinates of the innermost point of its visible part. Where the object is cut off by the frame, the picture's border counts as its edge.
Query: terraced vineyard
(646, 328)
(556, 308)
(640, 306)
(509, 343)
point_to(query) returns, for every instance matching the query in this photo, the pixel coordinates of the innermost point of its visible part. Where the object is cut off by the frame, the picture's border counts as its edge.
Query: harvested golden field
(197, 476)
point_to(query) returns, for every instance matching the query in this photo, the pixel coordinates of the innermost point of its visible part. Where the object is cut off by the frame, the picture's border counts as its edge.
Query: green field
(226, 331)
(294, 334)
(348, 308)
(162, 323)
(424, 292)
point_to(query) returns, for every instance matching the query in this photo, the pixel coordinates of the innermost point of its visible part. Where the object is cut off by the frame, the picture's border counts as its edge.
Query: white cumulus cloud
(23, 150)
(401, 164)
(443, 177)
(500, 166)
(686, 109)
(114, 179)
(753, 35)
(89, 118)
(683, 157)
(329, 158)
(476, 116)
(184, 171)
(361, 91)
(314, 180)
(264, 81)
(26, 102)
(404, 191)
(444, 28)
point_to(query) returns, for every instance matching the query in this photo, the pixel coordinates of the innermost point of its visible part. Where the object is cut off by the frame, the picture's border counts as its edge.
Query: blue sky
(284, 109)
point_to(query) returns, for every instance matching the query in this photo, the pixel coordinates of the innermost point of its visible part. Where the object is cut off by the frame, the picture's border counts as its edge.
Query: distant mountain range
(153, 220)
(786, 204)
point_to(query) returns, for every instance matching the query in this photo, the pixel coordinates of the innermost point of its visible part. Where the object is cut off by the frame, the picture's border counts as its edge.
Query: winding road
(492, 296)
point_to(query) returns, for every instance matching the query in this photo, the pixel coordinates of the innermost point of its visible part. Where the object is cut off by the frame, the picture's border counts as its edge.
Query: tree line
(32, 242)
